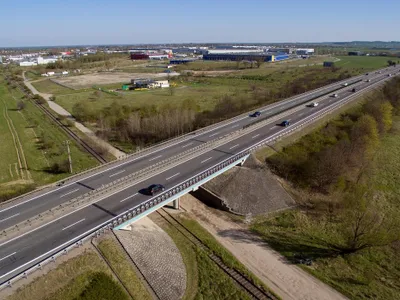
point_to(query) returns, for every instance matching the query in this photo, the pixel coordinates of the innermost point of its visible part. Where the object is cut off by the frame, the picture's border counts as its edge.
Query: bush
(102, 287)
(59, 167)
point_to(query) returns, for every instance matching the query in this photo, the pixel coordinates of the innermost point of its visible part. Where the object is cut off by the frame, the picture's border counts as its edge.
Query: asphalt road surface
(21, 252)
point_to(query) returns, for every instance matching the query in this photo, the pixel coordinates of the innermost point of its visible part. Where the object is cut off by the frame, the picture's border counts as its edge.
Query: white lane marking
(172, 176)
(271, 128)
(203, 161)
(233, 146)
(7, 256)
(214, 134)
(254, 136)
(115, 174)
(301, 114)
(69, 226)
(2, 220)
(184, 146)
(66, 194)
(235, 126)
(128, 197)
(155, 158)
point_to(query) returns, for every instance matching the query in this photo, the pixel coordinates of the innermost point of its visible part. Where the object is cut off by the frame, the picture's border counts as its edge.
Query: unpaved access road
(286, 280)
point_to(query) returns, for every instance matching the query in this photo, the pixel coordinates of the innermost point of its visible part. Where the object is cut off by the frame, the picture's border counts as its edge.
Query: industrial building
(305, 51)
(27, 63)
(46, 60)
(148, 84)
(329, 64)
(355, 53)
(181, 61)
(232, 51)
(245, 56)
(145, 56)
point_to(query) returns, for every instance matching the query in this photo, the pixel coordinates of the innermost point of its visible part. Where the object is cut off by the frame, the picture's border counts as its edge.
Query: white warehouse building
(229, 51)
(47, 60)
(27, 63)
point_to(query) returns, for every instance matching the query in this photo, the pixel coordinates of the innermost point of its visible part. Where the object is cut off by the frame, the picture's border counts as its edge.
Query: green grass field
(49, 87)
(205, 97)
(366, 63)
(27, 126)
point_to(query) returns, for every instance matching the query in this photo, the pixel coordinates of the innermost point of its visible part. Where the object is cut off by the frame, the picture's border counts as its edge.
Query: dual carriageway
(26, 250)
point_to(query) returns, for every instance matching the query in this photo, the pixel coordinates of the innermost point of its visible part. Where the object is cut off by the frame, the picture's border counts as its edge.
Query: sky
(94, 22)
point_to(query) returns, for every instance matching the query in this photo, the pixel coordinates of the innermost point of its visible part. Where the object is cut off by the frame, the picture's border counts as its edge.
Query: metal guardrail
(184, 186)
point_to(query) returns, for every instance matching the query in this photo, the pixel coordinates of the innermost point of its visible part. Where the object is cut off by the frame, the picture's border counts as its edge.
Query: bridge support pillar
(126, 228)
(174, 204)
(241, 163)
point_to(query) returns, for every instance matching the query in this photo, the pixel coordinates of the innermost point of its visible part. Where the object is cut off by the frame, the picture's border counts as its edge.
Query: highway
(11, 214)
(21, 252)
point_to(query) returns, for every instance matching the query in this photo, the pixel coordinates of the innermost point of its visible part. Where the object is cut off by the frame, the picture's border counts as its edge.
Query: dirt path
(17, 145)
(286, 280)
(63, 112)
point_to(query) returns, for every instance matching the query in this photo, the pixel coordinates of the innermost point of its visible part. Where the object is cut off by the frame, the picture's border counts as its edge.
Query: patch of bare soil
(88, 80)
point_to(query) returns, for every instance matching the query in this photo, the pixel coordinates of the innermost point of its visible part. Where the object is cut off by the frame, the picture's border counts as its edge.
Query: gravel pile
(251, 188)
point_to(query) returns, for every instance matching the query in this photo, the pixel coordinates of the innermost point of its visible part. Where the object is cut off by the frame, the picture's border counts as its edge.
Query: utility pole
(69, 157)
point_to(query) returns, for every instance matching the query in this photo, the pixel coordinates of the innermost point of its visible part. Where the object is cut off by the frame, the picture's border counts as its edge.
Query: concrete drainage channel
(168, 196)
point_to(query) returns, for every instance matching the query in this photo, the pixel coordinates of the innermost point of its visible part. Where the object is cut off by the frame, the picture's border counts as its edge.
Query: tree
(20, 105)
(59, 167)
(107, 64)
(171, 90)
(365, 223)
(386, 110)
(364, 135)
(259, 61)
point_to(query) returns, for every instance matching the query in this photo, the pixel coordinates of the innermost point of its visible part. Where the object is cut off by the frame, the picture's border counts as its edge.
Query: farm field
(26, 161)
(366, 63)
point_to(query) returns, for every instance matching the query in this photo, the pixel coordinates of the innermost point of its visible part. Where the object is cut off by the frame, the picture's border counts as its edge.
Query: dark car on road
(353, 90)
(155, 189)
(255, 114)
(285, 123)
